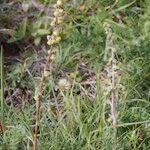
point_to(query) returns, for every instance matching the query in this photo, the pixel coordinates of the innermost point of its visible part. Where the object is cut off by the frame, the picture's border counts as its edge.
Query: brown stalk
(38, 101)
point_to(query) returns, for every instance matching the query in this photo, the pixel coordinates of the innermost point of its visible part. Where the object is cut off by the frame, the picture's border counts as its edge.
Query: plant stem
(37, 98)
(2, 89)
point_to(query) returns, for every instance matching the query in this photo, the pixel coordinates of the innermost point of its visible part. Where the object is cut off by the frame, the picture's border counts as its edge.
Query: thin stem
(37, 98)
(2, 89)
(113, 96)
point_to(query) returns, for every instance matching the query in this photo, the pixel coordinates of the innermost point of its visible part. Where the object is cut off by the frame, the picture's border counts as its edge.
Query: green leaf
(20, 34)
(42, 32)
(37, 41)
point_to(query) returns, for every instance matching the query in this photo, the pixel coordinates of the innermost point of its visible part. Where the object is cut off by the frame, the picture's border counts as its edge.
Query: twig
(7, 31)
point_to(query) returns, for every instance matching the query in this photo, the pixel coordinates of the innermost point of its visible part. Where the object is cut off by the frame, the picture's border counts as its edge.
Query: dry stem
(38, 99)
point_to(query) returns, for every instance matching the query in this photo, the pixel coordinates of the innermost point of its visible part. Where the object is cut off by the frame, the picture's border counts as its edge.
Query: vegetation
(75, 75)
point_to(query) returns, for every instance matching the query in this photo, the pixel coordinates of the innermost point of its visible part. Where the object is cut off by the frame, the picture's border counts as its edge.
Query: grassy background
(80, 118)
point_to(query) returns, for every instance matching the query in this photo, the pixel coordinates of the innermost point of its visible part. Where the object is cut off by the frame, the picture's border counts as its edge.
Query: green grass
(75, 120)
(2, 122)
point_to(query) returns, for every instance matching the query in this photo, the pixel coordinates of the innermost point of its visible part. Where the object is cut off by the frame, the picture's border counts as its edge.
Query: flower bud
(59, 3)
(60, 20)
(48, 37)
(56, 32)
(53, 56)
(56, 13)
(57, 40)
(50, 42)
(46, 73)
(53, 23)
(60, 10)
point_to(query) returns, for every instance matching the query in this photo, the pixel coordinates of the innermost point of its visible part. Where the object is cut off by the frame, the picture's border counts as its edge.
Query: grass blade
(2, 90)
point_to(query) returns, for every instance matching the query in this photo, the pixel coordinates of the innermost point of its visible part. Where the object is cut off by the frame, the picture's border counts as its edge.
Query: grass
(2, 123)
(79, 118)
